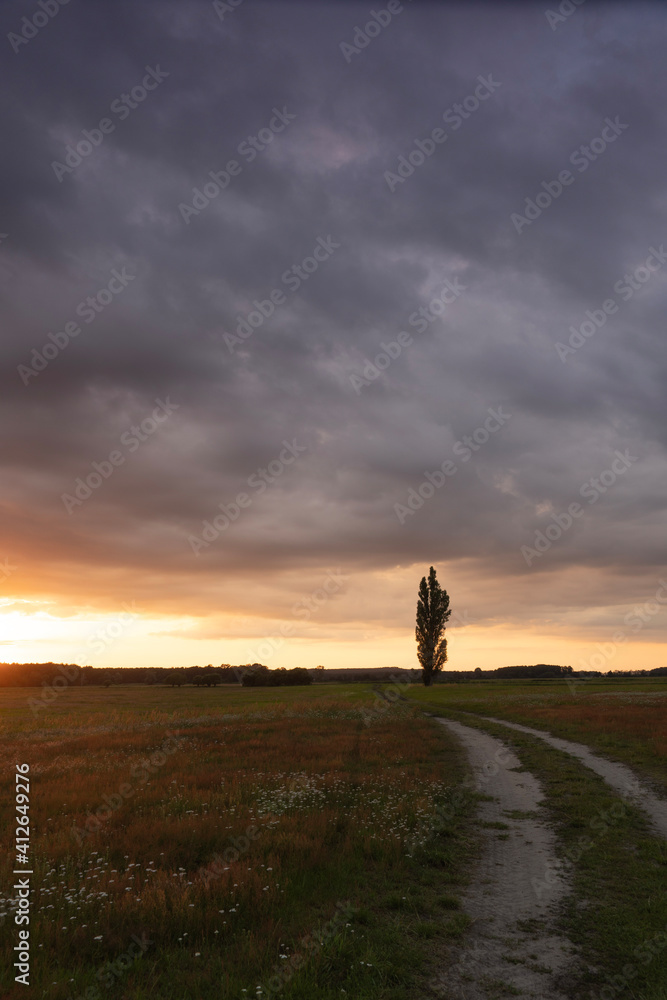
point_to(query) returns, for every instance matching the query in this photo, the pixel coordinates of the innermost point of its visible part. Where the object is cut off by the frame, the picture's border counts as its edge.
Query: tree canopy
(433, 613)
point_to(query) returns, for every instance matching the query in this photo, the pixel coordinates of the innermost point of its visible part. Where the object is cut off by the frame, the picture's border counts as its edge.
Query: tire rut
(618, 776)
(512, 941)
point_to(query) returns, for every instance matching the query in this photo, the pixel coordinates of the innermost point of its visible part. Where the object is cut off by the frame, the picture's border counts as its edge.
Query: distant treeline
(260, 676)
(534, 670)
(538, 671)
(366, 675)
(257, 674)
(248, 674)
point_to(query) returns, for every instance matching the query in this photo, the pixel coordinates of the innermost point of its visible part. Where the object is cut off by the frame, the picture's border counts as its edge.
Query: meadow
(624, 719)
(306, 842)
(232, 843)
(616, 911)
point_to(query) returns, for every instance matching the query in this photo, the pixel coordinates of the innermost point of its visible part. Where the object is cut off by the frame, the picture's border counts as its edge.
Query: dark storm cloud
(323, 177)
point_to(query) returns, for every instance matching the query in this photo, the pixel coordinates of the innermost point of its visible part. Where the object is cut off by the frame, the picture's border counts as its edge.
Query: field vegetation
(233, 843)
(616, 913)
(302, 843)
(625, 719)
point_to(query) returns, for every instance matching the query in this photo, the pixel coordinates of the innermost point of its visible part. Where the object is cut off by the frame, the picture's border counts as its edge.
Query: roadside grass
(82, 707)
(616, 914)
(332, 862)
(624, 720)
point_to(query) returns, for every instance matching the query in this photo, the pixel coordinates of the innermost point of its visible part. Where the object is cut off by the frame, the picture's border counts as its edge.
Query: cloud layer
(403, 180)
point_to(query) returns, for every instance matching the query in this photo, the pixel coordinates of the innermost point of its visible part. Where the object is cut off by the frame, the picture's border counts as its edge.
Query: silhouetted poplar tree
(432, 616)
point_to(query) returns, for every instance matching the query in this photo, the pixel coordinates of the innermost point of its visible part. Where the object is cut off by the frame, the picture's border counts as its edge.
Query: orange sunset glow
(272, 350)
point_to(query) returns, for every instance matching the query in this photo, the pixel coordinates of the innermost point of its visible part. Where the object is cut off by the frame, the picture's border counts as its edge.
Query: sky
(298, 299)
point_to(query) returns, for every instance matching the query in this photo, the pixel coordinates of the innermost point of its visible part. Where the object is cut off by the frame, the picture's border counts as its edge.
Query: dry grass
(624, 719)
(645, 721)
(331, 803)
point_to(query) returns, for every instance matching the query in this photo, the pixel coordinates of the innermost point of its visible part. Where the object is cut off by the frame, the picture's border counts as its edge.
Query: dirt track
(518, 882)
(618, 776)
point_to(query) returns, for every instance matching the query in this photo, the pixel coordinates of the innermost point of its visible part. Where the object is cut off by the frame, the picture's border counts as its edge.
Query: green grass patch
(616, 914)
(337, 893)
(449, 902)
(624, 719)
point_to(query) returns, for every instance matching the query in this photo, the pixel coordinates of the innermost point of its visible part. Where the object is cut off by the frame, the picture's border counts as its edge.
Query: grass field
(239, 843)
(232, 843)
(624, 719)
(617, 911)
